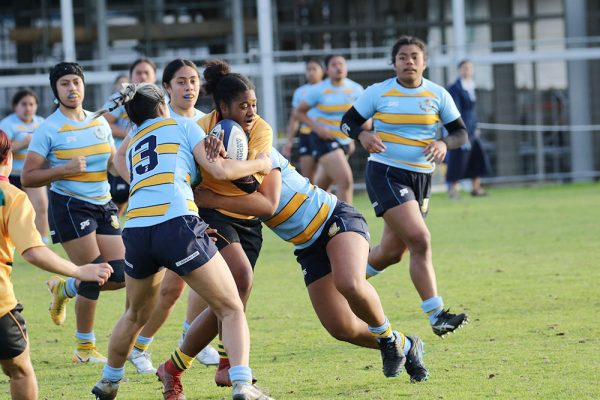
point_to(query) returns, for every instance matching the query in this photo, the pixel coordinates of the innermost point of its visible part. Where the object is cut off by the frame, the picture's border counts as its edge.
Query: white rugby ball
(234, 139)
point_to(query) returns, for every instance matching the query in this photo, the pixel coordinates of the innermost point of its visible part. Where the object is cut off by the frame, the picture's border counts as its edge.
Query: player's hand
(324, 133)
(267, 163)
(214, 147)
(211, 232)
(205, 198)
(94, 273)
(75, 166)
(436, 151)
(286, 150)
(371, 142)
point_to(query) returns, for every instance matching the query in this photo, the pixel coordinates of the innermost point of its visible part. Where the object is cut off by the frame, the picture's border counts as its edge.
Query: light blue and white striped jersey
(331, 102)
(297, 98)
(303, 208)
(17, 130)
(193, 179)
(197, 115)
(406, 120)
(59, 139)
(121, 117)
(160, 160)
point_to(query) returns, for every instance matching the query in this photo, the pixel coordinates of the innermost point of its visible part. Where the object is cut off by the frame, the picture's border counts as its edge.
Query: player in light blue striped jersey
(19, 126)
(157, 159)
(407, 111)
(330, 100)
(81, 214)
(331, 239)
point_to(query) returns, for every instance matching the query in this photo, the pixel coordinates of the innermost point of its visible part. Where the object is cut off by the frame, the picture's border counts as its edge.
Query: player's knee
(118, 274)
(420, 242)
(17, 370)
(349, 288)
(169, 294)
(89, 290)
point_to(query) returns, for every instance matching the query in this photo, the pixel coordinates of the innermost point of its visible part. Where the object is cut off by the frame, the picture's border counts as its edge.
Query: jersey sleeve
(365, 104)
(5, 126)
(297, 97)
(21, 224)
(40, 142)
(312, 95)
(448, 110)
(194, 134)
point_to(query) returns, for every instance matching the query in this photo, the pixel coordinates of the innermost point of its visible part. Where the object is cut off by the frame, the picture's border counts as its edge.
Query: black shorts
(179, 244)
(13, 334)
(305, 144)
(389, 187)
(119, 189)
(247, 232)
(313, 259)
(71, 218)
(321, 147)
(15, 180)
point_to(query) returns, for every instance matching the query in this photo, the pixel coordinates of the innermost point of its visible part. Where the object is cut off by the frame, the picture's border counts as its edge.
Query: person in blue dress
(470, 160)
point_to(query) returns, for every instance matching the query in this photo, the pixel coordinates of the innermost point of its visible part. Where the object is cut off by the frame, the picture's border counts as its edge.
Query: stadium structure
(535, 60)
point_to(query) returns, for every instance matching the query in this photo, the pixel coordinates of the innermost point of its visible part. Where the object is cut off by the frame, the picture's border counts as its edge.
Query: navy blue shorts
(305, 144)
(119, 189)
(13, 334)
(313, 259)
(246, 232)
(71, 218)
(321, 147)
(179, 244)
(389, 187)
(15, 180)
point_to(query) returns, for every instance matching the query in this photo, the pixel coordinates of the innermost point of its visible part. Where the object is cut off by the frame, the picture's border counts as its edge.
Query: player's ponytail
(5, 146)
(222, 84)
(141, 101)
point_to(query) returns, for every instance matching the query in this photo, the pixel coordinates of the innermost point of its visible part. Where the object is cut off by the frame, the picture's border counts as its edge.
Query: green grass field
(524, 263)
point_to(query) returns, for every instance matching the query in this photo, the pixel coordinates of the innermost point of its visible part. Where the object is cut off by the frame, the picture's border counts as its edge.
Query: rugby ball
(234, 139)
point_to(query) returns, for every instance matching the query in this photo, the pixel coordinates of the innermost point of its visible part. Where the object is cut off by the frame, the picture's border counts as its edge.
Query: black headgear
(61, 69)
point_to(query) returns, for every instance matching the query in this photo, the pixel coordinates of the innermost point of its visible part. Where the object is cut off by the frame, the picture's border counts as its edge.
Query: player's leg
(336, 165)
(23, 383)
(171, 289)
(142, 295)
(14, 355)
(388, 252)
(196, 305)
(39, 200)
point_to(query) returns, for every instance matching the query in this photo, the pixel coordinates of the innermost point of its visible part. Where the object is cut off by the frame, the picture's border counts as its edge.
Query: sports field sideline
(523, 262)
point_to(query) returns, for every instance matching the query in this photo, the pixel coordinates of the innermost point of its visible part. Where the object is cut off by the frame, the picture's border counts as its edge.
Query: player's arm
(261, 203)
(292, 129)
(20, 224)
(359, 128)
(44, 258)
(117, 131)
(228, 170)
(301, 113)
(36, 174)
(457, 136)
(20, 144)
(120, 163)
